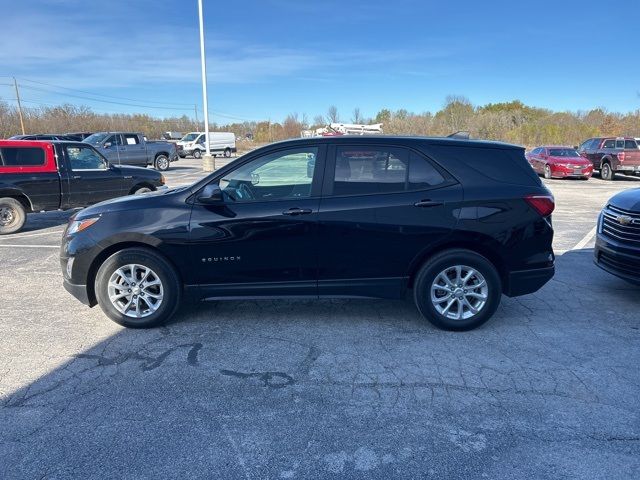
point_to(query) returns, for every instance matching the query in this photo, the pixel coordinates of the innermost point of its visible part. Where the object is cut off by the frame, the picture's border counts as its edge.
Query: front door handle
(427, 203)
(76, 177)
(297, 211)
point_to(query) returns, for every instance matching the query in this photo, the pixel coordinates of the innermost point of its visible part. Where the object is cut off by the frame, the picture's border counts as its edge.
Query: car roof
(400, 139)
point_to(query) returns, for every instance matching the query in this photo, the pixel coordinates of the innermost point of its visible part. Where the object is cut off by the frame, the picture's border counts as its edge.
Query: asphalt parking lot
(548, 388)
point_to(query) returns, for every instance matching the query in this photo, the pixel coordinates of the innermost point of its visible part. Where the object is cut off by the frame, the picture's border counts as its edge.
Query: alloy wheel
(459, 292)
(135, 291)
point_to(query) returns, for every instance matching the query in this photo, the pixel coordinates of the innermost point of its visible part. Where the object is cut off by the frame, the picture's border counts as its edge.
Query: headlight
(80, 225)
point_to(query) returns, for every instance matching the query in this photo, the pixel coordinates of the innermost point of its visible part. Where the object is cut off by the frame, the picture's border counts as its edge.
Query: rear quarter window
(21, 157)
(502, 165)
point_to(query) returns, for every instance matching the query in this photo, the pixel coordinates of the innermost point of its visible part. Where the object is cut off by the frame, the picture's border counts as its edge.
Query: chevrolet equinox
(455, 222)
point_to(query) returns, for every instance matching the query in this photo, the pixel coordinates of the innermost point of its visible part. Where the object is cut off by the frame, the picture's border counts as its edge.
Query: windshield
(190, 137)
(96, 137)
(563, 152)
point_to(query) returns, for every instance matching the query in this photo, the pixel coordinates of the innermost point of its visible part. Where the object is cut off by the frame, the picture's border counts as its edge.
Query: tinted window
(422, 174)
(609, 144)
(563, 152)
(628, 144)
(586, 145)
(619, 143)
(279, 175)
(84, 158)
(21, 157)
(361, 170)
(503, 165)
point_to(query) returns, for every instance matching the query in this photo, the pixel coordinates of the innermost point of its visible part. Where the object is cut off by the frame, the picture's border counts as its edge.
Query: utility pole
(195, 109)
(15, 84)
(208, 162)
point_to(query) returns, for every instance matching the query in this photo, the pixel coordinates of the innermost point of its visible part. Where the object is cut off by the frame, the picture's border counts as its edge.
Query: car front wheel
(547, 172)
(197, 154)
(607, 173)
(457, 290)
(137, 288)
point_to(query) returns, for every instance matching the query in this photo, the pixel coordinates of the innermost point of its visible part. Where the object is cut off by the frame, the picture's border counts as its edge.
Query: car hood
(130, 202)
(627, 200)
(573, 160)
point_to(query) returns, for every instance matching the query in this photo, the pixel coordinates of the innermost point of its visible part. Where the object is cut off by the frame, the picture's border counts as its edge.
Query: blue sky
(268, 58)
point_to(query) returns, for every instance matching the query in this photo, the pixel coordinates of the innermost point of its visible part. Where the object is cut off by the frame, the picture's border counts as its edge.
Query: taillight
(543, 204)
(621, 156)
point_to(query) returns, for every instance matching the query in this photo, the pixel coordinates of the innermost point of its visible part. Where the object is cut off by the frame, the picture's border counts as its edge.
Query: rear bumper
(78, 291)
(621, 261)
(523, 282)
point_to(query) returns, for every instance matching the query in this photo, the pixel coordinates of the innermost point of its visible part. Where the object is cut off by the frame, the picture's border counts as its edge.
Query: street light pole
(208, 163)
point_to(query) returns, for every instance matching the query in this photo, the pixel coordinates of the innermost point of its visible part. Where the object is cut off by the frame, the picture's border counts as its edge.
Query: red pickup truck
(611, 155)
(37, 176)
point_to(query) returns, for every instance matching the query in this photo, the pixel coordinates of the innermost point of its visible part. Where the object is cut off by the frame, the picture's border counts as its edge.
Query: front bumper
(617, 259)
(523, 282)
(78, 291)
(565, 172)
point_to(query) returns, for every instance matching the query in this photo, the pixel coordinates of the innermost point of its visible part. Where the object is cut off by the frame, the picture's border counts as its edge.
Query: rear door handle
(427, 203)
(76, 177)
(297, 211)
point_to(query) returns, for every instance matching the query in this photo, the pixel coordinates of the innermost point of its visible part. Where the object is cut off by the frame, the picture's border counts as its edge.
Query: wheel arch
(480, 244)
(19, 196)
(114, 248)
(142, 184)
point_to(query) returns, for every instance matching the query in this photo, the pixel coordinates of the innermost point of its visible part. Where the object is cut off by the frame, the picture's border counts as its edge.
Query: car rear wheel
(457, 290)
(547, 171)
(12, 216)
(137, 288)
(606, 172)
(227, 152)
(197, 154)
(162, 163)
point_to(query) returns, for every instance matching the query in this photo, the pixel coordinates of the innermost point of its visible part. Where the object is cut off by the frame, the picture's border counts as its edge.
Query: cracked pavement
(548, 388)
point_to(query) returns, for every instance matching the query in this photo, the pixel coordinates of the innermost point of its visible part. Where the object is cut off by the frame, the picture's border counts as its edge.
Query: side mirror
(576, 147)
(107, 144)
(211, 195)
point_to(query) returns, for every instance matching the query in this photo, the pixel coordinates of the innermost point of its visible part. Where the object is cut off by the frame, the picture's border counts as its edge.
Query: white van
(220, 143)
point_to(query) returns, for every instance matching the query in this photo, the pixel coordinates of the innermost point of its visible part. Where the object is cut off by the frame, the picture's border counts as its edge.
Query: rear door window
(620, 143)
(365, 170)
(630, 144)
(130, 139)
(21, 157)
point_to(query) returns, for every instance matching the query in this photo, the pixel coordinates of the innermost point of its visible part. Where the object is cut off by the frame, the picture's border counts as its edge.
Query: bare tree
(332, 114)
(319, 120)
(357, 116)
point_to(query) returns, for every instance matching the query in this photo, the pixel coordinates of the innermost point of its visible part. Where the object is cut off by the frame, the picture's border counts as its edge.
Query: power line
(101, 94)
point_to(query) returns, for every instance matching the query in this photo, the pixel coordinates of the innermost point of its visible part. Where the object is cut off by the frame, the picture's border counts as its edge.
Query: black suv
(618, 242)
(456, 222)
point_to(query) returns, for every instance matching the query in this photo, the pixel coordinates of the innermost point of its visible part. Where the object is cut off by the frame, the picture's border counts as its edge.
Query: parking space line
(587, 238)
(4, 245)
(30, 235)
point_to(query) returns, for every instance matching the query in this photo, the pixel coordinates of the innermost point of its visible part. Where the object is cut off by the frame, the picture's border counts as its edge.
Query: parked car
(128, 148)
(559, 162)
(618, 239)
(459, 223)
(44, 136)
(37, 176)
(79, 136)
(223, 143)
(612, 155)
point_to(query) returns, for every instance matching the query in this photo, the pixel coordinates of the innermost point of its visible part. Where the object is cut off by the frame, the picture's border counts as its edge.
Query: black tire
(443, 261)
(12, 216)
(171, 287)
(162, 163)
(197, 154)
(227, 152)
(547, 172)
(606, 172)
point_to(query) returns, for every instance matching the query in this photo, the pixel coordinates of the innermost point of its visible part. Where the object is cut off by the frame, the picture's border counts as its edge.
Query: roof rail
(462, 135)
